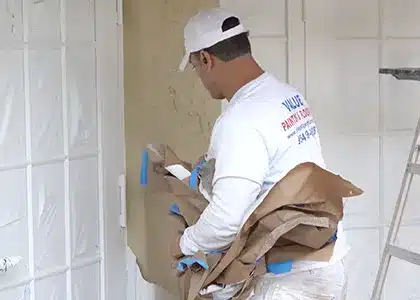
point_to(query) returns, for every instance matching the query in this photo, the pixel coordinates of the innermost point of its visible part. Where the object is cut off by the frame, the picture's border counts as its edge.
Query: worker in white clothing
(265, 131)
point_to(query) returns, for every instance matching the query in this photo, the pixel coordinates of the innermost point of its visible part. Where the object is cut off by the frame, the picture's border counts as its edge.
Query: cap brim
(184, 62)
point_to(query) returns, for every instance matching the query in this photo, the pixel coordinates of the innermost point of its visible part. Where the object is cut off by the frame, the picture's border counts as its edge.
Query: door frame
(112, 144)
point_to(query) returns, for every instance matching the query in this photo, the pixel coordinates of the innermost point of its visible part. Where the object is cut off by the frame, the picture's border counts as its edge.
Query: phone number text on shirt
(307, 134)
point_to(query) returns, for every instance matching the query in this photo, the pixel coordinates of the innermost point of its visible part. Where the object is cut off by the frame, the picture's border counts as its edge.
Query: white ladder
(390, 250)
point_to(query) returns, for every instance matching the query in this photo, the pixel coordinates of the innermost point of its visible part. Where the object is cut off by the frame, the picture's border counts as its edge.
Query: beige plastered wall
(161, 104)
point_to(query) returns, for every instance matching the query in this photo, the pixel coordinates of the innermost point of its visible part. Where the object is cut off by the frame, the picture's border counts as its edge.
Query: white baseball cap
(205, 30)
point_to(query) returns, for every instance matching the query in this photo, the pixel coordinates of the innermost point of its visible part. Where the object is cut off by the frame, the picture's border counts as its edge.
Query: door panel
(61, 151)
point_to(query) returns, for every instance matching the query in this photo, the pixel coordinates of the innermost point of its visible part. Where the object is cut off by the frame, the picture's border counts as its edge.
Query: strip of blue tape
(144, 167)
(217, 252)
(333, 238)
(189, 261)
(194, 175)
(280, 268)
(286, 266)
(175, 209)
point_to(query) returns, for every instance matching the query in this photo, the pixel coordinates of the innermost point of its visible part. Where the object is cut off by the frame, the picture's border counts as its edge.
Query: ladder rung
(414, 168)
(404, 254)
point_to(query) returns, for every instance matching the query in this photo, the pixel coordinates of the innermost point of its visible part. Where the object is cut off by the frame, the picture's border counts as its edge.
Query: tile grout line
(28, 139)
(42, 45)
(43, 162)
(289, 45)
(377, 38)
(305, 49)
(66, 163)
(382, 132)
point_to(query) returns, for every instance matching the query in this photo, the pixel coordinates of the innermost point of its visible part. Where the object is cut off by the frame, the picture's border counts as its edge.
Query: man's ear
(206, 60)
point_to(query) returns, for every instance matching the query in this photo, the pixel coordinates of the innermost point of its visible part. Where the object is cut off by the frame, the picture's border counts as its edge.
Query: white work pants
(327, 283)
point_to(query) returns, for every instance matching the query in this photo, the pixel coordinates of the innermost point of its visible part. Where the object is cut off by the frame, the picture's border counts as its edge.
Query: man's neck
(240, 72)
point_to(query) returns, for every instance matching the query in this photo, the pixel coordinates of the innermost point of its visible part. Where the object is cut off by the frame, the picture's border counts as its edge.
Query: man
(266, 130)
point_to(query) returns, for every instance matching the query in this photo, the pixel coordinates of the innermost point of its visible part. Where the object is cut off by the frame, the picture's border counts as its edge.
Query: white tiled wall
(268, 31)
(366, 120)
(276, 33)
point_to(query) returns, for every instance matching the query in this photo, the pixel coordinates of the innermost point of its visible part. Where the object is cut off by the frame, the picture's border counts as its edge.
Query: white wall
(366, 120)
(276, 33)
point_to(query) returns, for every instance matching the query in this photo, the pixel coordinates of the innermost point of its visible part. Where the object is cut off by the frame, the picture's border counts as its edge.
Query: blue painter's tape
(286, 266)
(144, 167)
(333, 238)
(175, 209)
(280, 268)
(189, 261)
(194, 175)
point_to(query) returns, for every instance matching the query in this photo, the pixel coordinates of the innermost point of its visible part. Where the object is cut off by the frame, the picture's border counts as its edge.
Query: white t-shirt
(265, 131)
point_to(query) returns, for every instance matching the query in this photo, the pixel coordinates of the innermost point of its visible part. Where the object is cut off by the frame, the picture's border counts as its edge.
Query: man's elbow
(227, 232)
(217, 236)
(213, 240)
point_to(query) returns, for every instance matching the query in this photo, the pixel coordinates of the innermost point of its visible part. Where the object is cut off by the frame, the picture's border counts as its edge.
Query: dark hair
(231, 48)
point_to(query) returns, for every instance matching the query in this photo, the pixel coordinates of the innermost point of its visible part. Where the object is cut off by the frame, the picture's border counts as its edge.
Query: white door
(61, 150)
